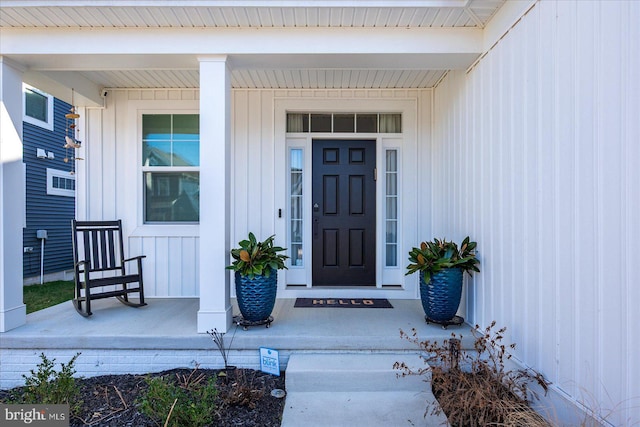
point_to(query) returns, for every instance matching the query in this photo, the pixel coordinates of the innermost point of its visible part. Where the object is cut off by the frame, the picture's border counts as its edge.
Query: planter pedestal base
(456, 321)
(241, 321)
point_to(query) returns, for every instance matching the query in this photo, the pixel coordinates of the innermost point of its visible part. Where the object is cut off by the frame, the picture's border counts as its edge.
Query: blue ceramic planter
(441, 296)
(256, 297)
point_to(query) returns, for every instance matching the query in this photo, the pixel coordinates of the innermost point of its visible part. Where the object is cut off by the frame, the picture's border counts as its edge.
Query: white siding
(110, 187)
(535, 155)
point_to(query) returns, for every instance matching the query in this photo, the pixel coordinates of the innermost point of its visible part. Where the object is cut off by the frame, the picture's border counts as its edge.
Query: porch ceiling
(255, 70)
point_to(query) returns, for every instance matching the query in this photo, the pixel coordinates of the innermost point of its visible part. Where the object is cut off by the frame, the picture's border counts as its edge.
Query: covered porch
(163, 335)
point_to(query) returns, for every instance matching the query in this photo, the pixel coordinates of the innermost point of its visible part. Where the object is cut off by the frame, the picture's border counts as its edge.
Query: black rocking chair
(98, 258)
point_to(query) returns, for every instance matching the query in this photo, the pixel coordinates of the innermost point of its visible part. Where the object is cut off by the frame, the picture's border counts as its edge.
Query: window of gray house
(171, 167)
(38, 107)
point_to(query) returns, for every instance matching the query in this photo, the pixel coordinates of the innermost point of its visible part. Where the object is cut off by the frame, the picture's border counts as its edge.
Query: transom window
(344, 122)
(171, 167)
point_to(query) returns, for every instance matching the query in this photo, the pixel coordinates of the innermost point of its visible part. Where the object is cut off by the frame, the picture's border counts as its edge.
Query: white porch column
(13, 312)
(215, 142)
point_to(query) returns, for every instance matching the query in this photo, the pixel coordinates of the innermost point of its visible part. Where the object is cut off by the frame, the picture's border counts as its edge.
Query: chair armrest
(134, 258)
(79, 263)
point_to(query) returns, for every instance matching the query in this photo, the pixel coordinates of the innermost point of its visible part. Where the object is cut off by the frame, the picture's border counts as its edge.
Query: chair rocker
(98, 257)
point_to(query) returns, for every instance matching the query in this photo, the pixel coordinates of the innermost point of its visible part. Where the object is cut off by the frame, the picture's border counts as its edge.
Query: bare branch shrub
(473, 388)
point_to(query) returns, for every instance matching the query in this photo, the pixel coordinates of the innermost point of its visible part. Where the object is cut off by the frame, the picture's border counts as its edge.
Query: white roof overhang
(90, 45)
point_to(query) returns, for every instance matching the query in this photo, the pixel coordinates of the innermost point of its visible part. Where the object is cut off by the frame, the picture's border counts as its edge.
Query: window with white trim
(296, 169)
(37, 107)
(60, 183)
(391, 208)
(171, 168)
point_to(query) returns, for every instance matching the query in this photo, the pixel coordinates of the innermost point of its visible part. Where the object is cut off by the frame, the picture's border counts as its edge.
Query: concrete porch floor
(162, 335)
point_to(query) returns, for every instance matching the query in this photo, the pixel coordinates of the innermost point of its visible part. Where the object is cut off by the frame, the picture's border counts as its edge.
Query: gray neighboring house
(49, 190)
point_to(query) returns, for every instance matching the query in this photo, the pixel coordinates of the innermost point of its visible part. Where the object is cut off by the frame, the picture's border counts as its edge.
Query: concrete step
(351, 372)
(359, 409)
(358, 389)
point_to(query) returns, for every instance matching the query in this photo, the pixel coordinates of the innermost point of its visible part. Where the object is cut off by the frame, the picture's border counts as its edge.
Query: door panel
(344, 212)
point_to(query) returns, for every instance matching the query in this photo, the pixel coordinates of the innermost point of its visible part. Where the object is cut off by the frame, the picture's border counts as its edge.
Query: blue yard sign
(269, 361)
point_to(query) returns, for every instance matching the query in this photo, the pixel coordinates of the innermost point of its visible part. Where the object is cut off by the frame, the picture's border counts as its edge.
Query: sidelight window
(296, 162)
(391, 208)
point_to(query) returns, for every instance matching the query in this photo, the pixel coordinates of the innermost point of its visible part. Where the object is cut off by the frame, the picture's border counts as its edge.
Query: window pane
(156, 153)
(392, 161)
(172, 196)
(297, 122)
(296, 184)
(343, 122)
(392, 232)
(391, 259)
(390, 123)
(367, 123)
(321, 123)
(392, 184)
(392, 207)
(186, 153)
(186, 127)
(156, 127)
(36, 105)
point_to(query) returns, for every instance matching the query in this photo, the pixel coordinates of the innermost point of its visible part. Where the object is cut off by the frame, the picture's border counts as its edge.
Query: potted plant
(256, 265)
(441, 265)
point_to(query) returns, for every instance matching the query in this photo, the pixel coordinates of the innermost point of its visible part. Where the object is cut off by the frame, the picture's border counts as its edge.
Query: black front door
(344, 212)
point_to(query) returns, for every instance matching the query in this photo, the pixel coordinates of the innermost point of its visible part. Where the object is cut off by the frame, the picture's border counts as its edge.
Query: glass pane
(296, 160)
(392, 184)
(392, 160)
(172, 197)
(367, 123)
(296, 184)
(296, 255)
(392, 232)
(156, 127)
(391, 256)
(390, 123)
(296, 231)
(186, 153)
(186, 127)
(344, 122)
(36, 105)
(321, 123)
(156, 153)
(392, 208)
(296, 208)
(297, 122)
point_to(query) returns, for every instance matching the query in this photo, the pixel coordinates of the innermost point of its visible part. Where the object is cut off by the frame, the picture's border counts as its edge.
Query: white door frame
(390, 281)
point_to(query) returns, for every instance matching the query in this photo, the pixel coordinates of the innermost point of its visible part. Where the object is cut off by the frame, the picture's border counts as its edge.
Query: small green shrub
(48, 386)
(185, 402)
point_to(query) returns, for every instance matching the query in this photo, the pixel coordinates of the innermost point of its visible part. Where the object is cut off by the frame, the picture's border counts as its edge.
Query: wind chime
(71, 142)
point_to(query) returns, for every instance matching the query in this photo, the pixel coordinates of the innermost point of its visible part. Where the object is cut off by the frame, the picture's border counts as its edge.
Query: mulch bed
(110, 400)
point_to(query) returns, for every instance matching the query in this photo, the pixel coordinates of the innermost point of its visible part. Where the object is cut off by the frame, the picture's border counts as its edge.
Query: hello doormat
(343, 302)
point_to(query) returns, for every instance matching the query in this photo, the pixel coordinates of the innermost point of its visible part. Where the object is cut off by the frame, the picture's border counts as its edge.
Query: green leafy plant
(437, 255)
(48, 386)
(186, 401)
(474, 388)
(254, 258)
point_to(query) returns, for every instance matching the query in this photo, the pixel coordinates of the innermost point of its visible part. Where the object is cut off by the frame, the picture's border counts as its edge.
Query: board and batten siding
(111, 183)
(45, 211)
(536, 155)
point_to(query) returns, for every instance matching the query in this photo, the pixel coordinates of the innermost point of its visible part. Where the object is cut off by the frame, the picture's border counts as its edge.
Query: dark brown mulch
(111, 400)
